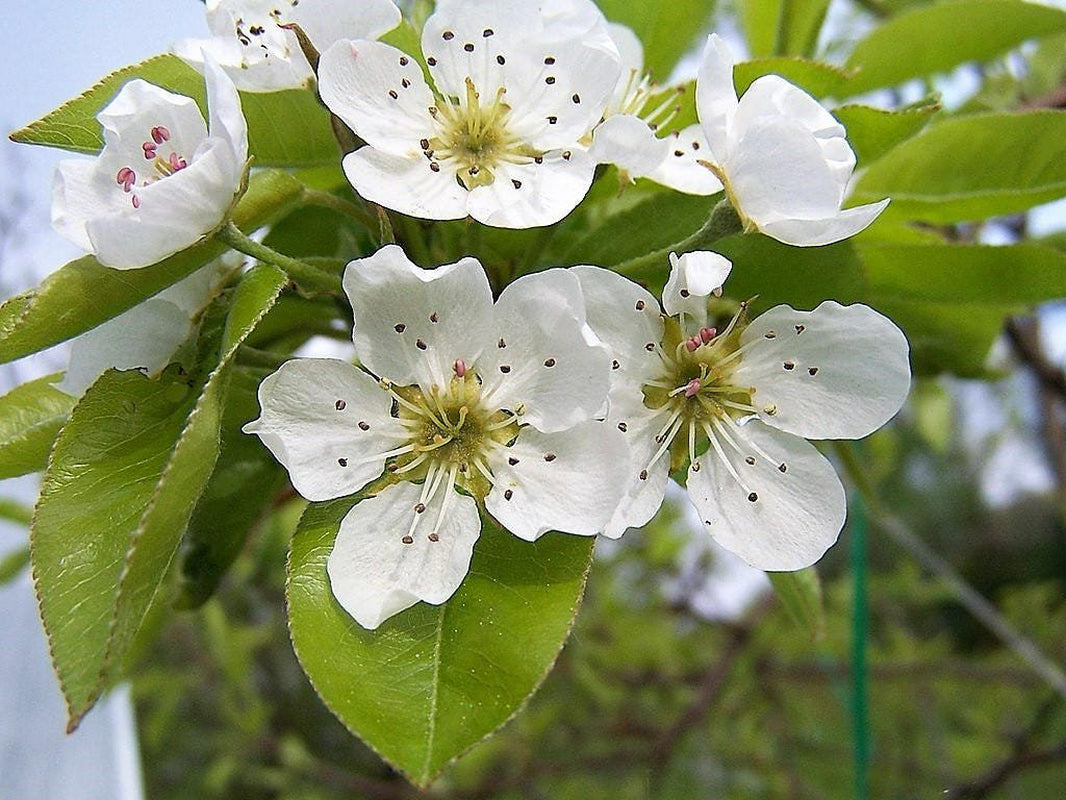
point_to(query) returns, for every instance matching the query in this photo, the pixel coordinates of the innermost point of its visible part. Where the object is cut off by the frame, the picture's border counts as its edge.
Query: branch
(1021, 333)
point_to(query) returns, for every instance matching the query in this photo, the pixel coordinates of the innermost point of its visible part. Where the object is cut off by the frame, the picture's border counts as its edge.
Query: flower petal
(144, 337)
(327, 21)
(412, 324)
(631, 57)
(250, 72)
(716, 97)
(645, 482)
(694, 276)
(777, 519)
(128, 120)
(380, 94)
(328, 423)
(776, 171)
(570, 481)
(529, 195)
(627, 142)
(627, 319)
(374, 575)
(226, 120)
(550, 363)
(816, 232)
(838, 372)
(681, 169)
(405, 184)
(79, 193)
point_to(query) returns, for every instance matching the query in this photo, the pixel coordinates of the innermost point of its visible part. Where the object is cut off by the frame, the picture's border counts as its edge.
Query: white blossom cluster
(567, 402)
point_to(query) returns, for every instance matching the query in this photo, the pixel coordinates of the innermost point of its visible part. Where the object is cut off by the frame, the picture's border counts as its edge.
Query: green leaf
(782, 27)
(435, 680)
(818, 78)
(872, 132)
(12, 565)
(1004, 277)
(773, 273)
(84, 294)
(285, 129)
(939, 36)
(667, 30)
(973, 167)
(124, 477)
(30, 418)
(946, 337)
(801, 594)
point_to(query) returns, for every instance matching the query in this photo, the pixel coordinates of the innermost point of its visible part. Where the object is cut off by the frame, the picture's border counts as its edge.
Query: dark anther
(363, 425)
(342, 461)
(623, 427)
(753, 497)
(504, 368)
(789, 365)
(549, 362)
(549, 457)
(512, 461)
(508, 495)
(340, 405)
(420, 344)
(399, 327)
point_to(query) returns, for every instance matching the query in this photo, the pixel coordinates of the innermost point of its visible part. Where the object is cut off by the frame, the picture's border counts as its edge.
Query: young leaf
(872, 132)
(30, 418)
(972, 167)
(435, 680)
(285, 129)
(84, 294)
(939, 36)
(123, 479)
(817, 78)
(782, 27)
(667, 30)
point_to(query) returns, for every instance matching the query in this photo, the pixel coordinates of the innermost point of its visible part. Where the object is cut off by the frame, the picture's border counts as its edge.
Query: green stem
(341, 206)
(723, 222)
(972, 600)
(310, 278)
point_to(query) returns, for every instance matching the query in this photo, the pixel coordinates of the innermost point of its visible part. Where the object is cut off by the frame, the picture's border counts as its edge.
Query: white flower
(628, 136)
(146, 336)
(162, 181)
(784, 159)
(471, 400)
(518, 85)
(260, 56)
(734, 403)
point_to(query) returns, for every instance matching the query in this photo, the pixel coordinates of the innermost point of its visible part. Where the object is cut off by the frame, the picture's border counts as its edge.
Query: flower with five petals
(460, 401)
(737, 405)
(517, 87)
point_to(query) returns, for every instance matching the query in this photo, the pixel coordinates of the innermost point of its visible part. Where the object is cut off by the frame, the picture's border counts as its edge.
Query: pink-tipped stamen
(706, 334)
(693, 344)
(460, 368)
(160, 134)
(177, 162)
(136, 201)
(126, 178)
(149, 150)
(692, 388)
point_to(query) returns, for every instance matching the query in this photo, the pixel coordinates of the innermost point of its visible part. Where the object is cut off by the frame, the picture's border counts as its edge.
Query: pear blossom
(146, 336)
(259, 55)
(459, 402)
(737, 403)
(784, 160)
(163, 180)
(517, 87)
(629, 136)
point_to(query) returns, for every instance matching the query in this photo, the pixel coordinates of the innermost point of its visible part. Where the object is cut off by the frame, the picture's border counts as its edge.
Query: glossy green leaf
(872, 132)
(285, 129)
(817, 78)
(83, 294)
(122, 482)
(668, 30)
(972, 167)
(801, 594)
(939, 36)
(435, 680)
(782, 27)
(30, 418)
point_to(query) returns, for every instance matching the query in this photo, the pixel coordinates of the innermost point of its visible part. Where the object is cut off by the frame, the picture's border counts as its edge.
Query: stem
(341, 206)
(723, 222)
(974, 602)
(310, 278)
